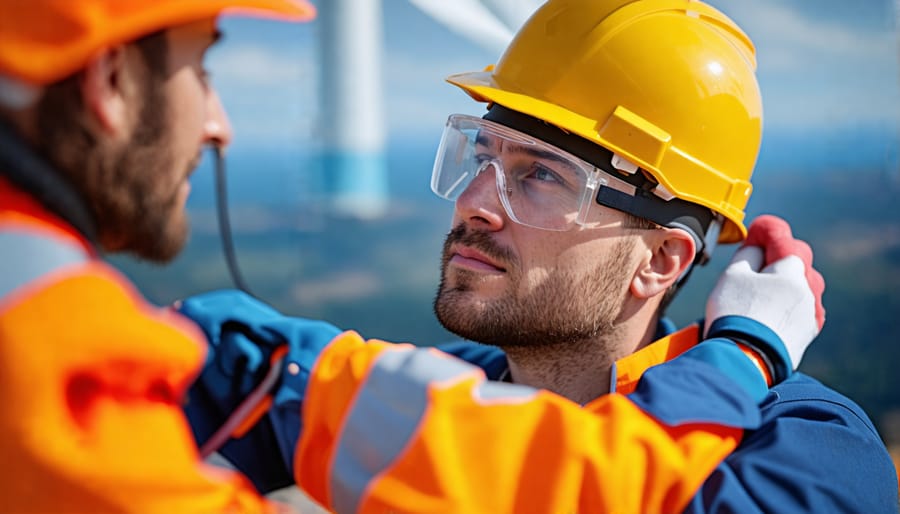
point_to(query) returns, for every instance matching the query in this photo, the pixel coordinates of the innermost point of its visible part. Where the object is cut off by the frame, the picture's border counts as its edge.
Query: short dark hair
(154, 49)
(636, 222)
(65, 139)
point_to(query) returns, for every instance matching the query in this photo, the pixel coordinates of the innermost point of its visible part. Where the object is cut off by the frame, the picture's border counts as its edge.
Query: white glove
(771, 281)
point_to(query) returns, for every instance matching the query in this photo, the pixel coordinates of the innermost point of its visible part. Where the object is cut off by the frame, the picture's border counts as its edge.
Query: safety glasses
(538, 184)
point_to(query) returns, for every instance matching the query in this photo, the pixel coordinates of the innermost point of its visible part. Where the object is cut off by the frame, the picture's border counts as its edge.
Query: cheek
(187, 103)
(543, 256)
(583, 256)
(562, 250)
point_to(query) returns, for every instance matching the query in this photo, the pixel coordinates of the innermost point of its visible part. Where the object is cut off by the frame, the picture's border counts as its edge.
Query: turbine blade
(471, 19)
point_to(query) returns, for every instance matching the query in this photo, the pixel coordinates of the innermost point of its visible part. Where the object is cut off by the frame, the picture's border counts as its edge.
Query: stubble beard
(142, 212)
(131, 189)
(568, 308)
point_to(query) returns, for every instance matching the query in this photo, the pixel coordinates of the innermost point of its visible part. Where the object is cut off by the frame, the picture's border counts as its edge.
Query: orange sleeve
(91, 393)
(391, 428)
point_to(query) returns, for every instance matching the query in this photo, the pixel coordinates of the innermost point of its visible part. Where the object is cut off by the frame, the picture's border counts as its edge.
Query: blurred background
(333, 217)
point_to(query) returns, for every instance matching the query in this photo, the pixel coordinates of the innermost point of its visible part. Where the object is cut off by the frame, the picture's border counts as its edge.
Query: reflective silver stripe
(25, 257)
(387, 412)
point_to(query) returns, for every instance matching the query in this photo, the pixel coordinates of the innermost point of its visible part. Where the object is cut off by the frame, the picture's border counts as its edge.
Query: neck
(569, 369)
(580, 370)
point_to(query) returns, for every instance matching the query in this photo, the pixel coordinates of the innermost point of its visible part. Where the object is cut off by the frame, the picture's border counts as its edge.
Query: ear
(104, 92)
(670, 252)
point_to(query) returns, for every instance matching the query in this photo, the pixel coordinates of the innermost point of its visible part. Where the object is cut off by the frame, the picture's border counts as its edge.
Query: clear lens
(538, 184)
(454, 165)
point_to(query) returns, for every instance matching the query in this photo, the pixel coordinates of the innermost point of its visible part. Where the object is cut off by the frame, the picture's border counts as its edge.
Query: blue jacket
(806, 447)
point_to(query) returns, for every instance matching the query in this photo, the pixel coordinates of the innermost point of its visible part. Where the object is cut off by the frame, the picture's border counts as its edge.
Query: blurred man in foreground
(104, 109)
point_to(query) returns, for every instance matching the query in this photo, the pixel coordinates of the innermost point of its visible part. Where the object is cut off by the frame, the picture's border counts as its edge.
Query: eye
(482, 157)
(542, 173)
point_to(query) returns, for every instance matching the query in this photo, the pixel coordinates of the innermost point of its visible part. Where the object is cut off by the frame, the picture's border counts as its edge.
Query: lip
(467, 257)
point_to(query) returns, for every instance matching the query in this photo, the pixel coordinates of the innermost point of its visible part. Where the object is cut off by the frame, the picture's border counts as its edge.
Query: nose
(479, 204)
(216, 127)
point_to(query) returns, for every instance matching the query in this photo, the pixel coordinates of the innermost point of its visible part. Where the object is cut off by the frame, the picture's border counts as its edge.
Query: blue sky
(828, 66)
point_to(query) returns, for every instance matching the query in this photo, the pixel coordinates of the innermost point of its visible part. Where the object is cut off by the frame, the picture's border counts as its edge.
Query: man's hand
(246, 339)
(770, 281)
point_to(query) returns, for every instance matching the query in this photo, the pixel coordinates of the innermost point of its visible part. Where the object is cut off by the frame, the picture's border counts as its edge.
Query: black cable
(225, 224)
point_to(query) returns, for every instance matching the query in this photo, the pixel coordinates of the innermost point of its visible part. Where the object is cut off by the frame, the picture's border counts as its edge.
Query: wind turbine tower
(352, 114)
(352, 118)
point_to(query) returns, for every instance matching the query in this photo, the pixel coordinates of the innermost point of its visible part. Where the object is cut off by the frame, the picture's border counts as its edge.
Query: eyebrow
(215, 37)
(484, 140)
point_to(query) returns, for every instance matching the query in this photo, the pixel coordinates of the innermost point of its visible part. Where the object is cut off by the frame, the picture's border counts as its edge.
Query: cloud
(270, 92)
(824, 69)
(254, 65)
(261, 74)
(849, 108)
(773, 24)
(419, 98)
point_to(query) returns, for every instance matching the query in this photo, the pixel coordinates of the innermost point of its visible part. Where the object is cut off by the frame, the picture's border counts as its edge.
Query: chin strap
(225, 224)
(33, 175)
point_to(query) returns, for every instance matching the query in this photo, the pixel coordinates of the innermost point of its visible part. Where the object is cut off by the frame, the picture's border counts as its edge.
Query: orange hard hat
(42, 41)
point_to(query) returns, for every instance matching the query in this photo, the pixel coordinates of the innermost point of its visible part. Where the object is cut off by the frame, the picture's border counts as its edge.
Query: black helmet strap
(673, 213)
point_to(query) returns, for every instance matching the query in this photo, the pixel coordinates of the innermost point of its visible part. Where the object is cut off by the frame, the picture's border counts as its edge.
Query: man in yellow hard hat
(615, 154)
(104, 109)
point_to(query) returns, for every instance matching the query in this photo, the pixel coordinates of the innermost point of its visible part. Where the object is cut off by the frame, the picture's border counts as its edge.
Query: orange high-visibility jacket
(91, 384)
(392, 428)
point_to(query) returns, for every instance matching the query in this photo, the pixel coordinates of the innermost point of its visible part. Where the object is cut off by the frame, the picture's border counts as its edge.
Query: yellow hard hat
(668, 85)
(42, 41)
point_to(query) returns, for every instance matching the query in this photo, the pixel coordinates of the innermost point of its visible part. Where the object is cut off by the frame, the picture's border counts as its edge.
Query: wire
(225, 224)
(261, 391)
(245, 409)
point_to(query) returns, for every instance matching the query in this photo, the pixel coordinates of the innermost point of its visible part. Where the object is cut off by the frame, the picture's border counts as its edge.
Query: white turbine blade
(470, 19)
(512, 13)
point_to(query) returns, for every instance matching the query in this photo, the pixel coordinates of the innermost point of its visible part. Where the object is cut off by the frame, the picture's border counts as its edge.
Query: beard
(569, 306)
(132, 190)
(136, 197)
